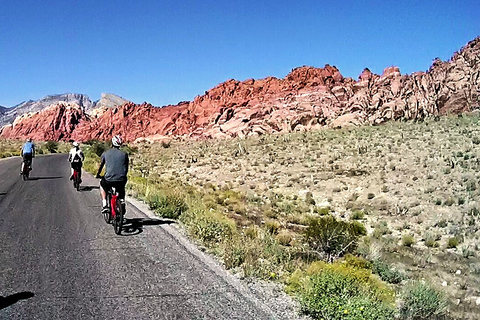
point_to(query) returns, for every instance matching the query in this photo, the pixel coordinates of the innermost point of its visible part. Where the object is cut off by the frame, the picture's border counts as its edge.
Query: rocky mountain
(307, 98)
(107, 100)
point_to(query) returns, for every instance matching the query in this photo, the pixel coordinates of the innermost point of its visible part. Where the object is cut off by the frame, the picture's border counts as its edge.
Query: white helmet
(75, 143)
(117, 141)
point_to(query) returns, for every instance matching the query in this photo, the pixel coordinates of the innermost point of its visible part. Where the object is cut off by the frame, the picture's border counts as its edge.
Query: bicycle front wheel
(119, 213)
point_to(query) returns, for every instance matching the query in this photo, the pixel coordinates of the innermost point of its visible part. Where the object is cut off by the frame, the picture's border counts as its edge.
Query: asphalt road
(60, 260)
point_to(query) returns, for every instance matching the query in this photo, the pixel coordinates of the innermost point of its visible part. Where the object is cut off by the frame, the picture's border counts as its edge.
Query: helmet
(117, 141)
(75, 143)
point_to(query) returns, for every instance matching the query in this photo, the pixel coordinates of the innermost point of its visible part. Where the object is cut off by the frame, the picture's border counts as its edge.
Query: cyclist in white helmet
(116, 169)
(76, 159)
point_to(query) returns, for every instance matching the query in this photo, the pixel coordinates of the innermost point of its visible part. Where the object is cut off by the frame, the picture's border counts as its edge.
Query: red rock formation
(56, 122)
(307, 98)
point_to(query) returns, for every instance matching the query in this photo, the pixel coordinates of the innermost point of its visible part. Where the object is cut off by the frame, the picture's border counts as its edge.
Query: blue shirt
(28, 147)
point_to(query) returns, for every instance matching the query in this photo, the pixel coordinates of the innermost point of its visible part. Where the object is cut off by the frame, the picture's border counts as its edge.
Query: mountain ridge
(8, 115)
(307, 98)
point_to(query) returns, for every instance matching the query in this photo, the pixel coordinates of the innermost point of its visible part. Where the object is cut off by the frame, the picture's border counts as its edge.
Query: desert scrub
(387, 273)
(421, 301)
(170, 204)
(208, 226)
(332, 238)
(452, 242)
(408, 240)
(337, 291)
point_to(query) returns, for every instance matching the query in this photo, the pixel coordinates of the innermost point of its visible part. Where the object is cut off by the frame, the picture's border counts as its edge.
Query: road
(60, 260)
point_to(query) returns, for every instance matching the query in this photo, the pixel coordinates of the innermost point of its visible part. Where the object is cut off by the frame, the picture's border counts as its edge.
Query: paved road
(60, 260)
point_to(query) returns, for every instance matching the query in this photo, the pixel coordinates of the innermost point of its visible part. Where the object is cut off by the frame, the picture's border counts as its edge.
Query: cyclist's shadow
(14, 298)
(135, 226)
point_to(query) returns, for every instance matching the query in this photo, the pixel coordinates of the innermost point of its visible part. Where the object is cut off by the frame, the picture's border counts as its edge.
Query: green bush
(170, 205)
(331, 237)
(421, 301)
(51, 146)
(408, 240)
(98, 147)
(339, 292)
(386, 273)
(452, 243)
(210, 227)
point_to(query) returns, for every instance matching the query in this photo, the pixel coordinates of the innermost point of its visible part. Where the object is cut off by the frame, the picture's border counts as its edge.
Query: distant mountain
(8, 115)
(109, 100)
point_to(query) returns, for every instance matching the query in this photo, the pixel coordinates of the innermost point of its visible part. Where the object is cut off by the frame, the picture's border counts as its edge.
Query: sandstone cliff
(307, 98)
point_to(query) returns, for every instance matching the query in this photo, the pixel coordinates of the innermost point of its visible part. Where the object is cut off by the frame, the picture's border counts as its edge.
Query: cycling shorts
(119, 185)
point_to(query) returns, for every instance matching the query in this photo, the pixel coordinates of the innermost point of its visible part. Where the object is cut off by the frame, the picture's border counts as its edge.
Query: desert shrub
(357, 215)
(210, 227)
(272, 226)
(387, 273)
(330, 237)
(380, 229)
(430, 240)
(51, 146)
(357, 262)
(422, 301)
(309, 199)
(284, 237)
(98, 147)
(336, 291)
(452, 242)
(408, 240)
(170, 205)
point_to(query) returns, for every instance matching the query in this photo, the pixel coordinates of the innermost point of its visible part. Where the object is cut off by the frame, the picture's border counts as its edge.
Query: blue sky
(164, 52)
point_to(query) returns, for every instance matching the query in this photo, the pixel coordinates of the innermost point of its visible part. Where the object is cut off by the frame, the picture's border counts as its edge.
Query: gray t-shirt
(116, 162)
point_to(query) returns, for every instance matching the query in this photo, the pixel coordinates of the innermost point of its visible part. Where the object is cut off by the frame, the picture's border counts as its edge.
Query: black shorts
(119, 185)
(27, 158)
(77, 166)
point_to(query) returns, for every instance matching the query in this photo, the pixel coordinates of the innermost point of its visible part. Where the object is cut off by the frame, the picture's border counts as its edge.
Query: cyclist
(27, 153)
(76, 158)
(116, 169)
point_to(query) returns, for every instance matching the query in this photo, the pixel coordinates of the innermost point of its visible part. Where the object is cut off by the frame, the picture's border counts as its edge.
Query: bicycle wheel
(77, 181)
(107, 215)
(119, 213)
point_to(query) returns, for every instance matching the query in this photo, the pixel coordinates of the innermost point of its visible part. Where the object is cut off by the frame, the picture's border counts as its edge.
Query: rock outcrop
(307, 98)
(57, 122)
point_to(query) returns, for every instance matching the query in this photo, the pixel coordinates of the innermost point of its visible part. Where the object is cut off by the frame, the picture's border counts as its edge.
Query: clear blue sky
(167, 51)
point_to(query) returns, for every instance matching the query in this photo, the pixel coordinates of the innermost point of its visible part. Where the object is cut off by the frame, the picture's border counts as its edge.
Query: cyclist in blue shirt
(28, 152)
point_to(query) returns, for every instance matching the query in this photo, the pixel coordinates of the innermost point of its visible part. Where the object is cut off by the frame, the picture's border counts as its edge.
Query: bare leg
(103, 194)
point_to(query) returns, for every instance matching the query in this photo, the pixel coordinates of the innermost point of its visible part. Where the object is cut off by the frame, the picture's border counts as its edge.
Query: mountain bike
(76, 179)
(116, 210)
(26, 169)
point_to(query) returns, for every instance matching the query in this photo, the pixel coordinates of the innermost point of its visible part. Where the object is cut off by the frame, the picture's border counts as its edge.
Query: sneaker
(105, 210)
(71, 177)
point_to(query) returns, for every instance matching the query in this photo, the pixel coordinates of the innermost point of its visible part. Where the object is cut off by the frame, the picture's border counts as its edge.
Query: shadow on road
(14, 298)
(88, 188)
(135, 226)
(44, 178)
(3, 193)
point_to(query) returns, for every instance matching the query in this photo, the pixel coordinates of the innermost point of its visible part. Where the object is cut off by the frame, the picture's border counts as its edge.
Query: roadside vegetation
(375, 222)
(10, 148)
(371, 222)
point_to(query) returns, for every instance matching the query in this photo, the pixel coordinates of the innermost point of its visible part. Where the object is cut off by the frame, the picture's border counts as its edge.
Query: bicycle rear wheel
(119, 213)
(107, 215)
(77, 181)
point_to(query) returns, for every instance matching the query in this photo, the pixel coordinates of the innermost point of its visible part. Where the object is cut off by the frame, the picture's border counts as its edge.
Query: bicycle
(76, 179)
(116, 215)
(26, 169)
